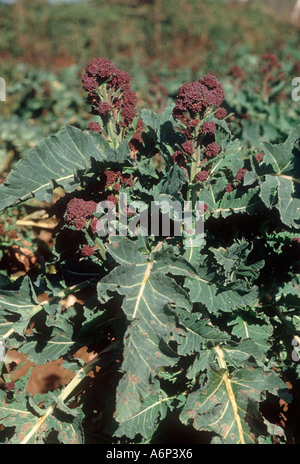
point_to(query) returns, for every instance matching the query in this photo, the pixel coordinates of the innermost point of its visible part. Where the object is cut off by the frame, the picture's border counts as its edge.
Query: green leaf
(234, 261)
(156, 120)
(231, 257)
(222, 404)
(17, 308)
(224, 204)
(280, 157)
(195, 334)
(42, 348)
(237, 202)
(126, 251)
(23, 414)
(235, 355)
(217, 295)
(147, 295)
(173, 181)
(231, 158)
(257, 330)
(54, 162)
(144, 422)
(278, 177)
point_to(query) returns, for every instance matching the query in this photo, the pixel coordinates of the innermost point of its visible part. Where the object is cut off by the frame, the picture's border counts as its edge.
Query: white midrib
(142, 288)
(231, 395)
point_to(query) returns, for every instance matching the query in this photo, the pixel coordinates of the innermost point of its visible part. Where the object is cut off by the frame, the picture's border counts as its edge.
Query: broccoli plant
(188, 328)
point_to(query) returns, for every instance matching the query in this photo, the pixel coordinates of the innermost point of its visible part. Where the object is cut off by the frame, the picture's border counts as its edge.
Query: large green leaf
(278, 177)
(280, 157)
(147, 292)
(54, 162)
(46, 341)
(234, 261)
(161, 128)
(144, 422)
(52, 344)
(42, 415)
(216, 294)
(221, 203)
(258, 330)
(238, 203)
(17, 307)
(231, 157)
(195, 334)
(223, 405)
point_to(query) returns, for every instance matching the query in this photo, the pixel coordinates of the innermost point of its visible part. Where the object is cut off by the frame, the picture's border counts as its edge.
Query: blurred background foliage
(44, 48)
(180, 32)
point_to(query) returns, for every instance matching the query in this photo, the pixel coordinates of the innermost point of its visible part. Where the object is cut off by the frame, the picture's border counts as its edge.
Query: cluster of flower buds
(87, 250)
(79, 211)
(110, 96)
(195, 99)
(114, 180)
(197, 104)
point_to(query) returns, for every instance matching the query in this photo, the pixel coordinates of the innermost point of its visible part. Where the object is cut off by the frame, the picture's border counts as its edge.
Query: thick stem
(192, 196)
(195, 164)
